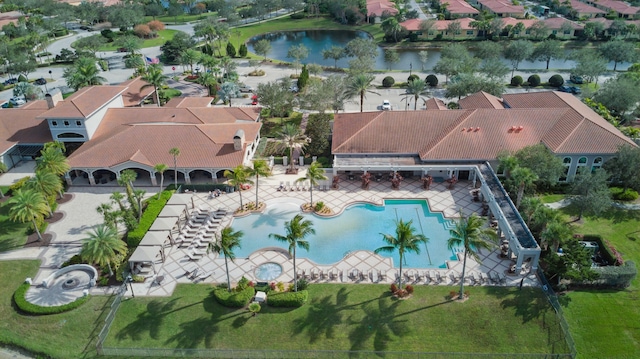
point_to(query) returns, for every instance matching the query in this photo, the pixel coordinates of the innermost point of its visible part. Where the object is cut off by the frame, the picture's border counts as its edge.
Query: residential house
(620, 8)
(376, 8)
(581, 10)
(10, 17)
(442, 27)
(459, 9)
(500, 8)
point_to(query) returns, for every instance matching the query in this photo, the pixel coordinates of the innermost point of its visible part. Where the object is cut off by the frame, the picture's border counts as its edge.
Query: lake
(318, 40)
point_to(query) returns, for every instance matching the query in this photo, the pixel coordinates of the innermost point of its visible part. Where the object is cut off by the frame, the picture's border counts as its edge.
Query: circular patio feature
(268, 271)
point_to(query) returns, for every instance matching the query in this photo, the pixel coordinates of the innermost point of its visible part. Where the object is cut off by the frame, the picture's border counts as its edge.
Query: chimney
(52, 100)
(238, 140)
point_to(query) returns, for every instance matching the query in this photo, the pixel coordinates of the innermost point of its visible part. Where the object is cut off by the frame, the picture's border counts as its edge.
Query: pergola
(145, 254)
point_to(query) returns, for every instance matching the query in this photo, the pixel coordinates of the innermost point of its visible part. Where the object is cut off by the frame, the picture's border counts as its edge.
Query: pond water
(318, 40)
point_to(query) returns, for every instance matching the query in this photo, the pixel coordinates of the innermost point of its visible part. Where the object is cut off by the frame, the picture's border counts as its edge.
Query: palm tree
(83, 73)
(102, 246)
(207, 80)
(160, 168)
(359, 86)
(189, 57)
(139, 196)
(416, 87)
(47, 184)
(156, 79)
(292, 138)
(297, 230)
(226, 243)
(260, 168)
(406, 240)
(523, 177)
(175, 152)
(28, 205)
(238, 177)
(52, 160)
(471, 234)
(126, 180)
(315, 173)
(507, 163)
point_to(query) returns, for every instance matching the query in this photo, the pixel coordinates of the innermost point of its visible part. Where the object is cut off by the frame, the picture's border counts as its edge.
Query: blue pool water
(357, 228)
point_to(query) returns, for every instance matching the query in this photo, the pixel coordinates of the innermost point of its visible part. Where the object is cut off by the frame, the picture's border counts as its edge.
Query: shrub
(297, 15)
(231, 50)
(76, 259)
(142, 30)
(288, 299)
(30, 308)
(242, 51)
(104, 65)
(156, 25)
(394, 288)
(453, 294)
(388, 81)
(280, 286)
(243, 283)
(133, 62)
(556, 81)
(19, 184)
(319, 206)
(534, 80)
(516, 80)
(619, 194)
(616, 276)
(409, 288)
(233, 299)
(413, 77)
(154, 207)
(22, 78)
(108, 34)
(431, 80)
(302, 284)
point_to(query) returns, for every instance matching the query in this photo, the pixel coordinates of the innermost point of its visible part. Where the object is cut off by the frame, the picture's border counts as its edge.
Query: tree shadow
(380, 322)
(619, 215)
(322, 317)
(147, 321)
(527, 304)
(194, 332)
(241, 320)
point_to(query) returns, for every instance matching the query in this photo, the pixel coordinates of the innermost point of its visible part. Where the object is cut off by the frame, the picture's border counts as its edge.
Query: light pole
(410, 68)
(130, 281)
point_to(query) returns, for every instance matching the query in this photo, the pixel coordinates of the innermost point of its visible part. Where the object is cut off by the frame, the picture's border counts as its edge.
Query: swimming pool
(357, 228)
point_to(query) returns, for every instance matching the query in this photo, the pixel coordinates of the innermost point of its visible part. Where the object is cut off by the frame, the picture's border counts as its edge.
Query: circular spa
(268, 271)
(63, 286)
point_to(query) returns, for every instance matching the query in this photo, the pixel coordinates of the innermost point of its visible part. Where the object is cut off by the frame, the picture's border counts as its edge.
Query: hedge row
(616, 276)
(154, 207)
(30, 308)
(605, 250)
(288, 299)
(233, 299)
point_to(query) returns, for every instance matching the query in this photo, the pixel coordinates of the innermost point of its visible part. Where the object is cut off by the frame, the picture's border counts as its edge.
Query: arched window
(567, 164)
(597, 163)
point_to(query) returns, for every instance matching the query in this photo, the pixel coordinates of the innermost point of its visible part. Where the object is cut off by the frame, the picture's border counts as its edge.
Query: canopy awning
(155, 238)
(179, 199)
(145, 254)
(173, 210)
(164, 224)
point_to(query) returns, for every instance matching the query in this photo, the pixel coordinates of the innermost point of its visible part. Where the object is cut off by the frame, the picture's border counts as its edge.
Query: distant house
(459, 8)
(10, 17)
(619, 8)
(375, 9)
(442, 27)
(581, 10)
(500, 8)
(557, 27)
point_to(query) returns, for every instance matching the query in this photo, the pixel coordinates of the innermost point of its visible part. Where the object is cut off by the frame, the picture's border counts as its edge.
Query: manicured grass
(180, 19)
(163, 36)
(347, 317)
(67, 335)
(604, 323)
(551, 198)
(12, 235)
(271, 127)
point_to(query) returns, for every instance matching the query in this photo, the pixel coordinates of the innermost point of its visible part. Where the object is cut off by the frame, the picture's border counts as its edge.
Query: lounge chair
(503, 278)
(321, 274)
(454, 278)
(300, 273)
(383, 274)
(195, 256)
(482, 277)
(363, 276)
(204, 275)
(193, 273)
(314, 274)
(419, 276)
(409, 275)
(354, 274)
(439, 277)
(373, 276)
(473, 279)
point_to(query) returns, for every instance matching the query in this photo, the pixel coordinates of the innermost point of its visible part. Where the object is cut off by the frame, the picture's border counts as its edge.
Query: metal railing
(553, 299)
(102, 336)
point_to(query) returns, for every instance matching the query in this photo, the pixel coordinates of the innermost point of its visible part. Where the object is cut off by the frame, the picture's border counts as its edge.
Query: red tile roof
(377, 7)
(583, 8)
(481, 100)
(501, 7)
(21, 125)
(558, 120)
(135, 94)
(85, 102)
(460, 7)
(180, 102)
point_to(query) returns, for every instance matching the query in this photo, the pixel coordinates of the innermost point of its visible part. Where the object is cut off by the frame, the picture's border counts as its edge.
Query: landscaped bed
(347, 317)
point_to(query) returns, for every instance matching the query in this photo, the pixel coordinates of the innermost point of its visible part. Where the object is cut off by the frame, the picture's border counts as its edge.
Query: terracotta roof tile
(84, 102)
(19, 125)
(581, 7)
(135, 94)
(180, 102)
(435, 104)
(481, 100)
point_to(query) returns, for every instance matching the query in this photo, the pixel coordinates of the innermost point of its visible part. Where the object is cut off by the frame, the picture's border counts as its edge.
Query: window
(555, 32)
(582, 162)
(469, 32)
(66, 123)
(597, 163)
(79, 123)
(567, 164)
(54, 123)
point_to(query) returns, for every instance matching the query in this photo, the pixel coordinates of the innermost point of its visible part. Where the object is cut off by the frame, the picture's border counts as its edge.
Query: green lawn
(12, 235)
(346, 317)
(604, 323)
(180, 19)
(551, 198)
(66, 335)
(163, 36)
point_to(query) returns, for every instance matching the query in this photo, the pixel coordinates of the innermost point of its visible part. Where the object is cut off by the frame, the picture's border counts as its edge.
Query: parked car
(575, 90)
(10, 81)
(245, 88)
(386, 105)
(17, 101)
(564, 89)
(5, 105)
(40, 81)
(576, 79)
(294, 88)
(254, 100)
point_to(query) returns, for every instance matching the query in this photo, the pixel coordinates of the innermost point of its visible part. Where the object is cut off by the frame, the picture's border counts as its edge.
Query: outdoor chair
(354, 274)
(313, 274)
(300, 273)
(204, 275)
(503, 278)
(419, 276)
(373, 276)
(195, 256)
(482, 277)
(453, 277)
(362, 276)
(494, 277)
(383, 274)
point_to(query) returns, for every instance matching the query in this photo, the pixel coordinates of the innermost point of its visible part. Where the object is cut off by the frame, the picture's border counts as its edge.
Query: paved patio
(371, 268)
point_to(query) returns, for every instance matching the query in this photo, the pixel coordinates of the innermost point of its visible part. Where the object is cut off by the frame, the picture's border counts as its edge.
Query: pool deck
(369, 266)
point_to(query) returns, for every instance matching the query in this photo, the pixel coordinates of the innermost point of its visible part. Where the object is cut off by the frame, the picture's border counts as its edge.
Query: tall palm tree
(161, 168)
(359, 85)
(28, 205)
(83, 73)
(189, 57)
(238, 177)
(139, 196)
(507, 163)
(175, 152)
(102, 246)
(296, 231)
(416, 87)
(472, 235)
(522, 177)
(260, 168)
(406, 240)
(52, 160)
(314, 174)
(47, 184)
(226, 243)
(156, 79)
(126, 180)
(291, 137)
(207, 80)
